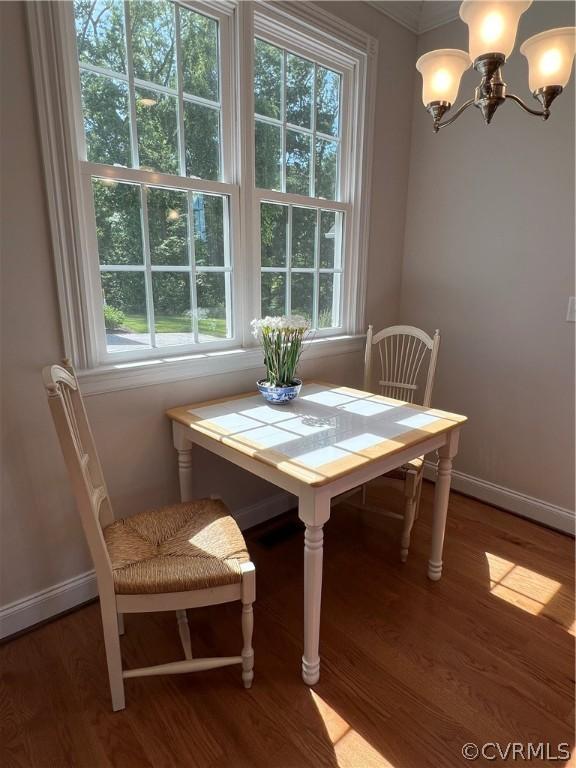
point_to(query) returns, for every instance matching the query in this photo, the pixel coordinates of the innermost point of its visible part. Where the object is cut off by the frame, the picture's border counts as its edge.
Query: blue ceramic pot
(279, 395)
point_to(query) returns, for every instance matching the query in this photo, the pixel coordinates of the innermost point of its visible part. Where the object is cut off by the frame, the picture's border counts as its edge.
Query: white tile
(360, 442)
(267, 414)
(329, 398)
(418, 420)
(269, 436)
(366, 407)
(308, 425)
(233, 422)
(321, 456)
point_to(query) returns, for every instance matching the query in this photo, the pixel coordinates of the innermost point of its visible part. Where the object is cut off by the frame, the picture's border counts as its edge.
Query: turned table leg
(441, 497)
(314, 511)
(313, 551)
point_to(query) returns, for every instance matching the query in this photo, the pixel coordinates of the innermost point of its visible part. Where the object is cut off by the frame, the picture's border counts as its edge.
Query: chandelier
(492, 30)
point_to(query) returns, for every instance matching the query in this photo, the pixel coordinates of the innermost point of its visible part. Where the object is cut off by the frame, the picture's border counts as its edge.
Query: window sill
(147, 373)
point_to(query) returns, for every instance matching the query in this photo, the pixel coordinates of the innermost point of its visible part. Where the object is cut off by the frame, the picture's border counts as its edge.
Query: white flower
(283, 323)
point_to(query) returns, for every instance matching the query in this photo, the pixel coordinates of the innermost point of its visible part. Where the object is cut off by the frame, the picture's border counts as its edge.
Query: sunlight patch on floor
(350, 749)
(520, 586)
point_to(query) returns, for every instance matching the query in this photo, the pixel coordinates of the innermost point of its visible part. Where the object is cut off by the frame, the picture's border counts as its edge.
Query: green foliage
(282, 339)
(114, 319)
(102, 41)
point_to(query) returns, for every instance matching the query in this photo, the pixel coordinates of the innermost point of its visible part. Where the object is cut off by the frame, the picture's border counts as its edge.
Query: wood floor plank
(411, 670)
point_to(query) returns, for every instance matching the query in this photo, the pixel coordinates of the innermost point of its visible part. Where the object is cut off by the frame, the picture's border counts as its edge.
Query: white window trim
(55, 98)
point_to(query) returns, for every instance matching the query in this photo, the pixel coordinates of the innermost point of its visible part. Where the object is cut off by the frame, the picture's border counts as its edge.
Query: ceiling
(418, 15)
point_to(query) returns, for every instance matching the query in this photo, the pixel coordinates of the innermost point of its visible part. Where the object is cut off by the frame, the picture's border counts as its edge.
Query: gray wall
(41, 537)
(489, 259)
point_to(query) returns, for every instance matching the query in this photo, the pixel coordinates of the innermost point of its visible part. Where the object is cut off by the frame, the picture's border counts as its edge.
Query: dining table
(329, 440)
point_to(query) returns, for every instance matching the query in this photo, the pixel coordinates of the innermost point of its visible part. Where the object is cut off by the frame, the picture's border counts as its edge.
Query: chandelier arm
(538, 112)
(455, 116)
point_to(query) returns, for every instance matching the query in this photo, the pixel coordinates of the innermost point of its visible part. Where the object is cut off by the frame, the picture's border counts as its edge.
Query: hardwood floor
(411, 670)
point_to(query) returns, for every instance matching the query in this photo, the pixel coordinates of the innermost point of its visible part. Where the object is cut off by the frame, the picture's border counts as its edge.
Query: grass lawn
(176, 324)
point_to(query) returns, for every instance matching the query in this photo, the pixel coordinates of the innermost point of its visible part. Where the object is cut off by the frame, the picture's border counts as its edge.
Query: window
(151, 102)
(297, 105)
(215, 171)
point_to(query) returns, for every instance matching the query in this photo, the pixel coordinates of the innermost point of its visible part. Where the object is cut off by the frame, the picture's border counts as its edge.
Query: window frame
(227, 186)
(77, 274)
(268, 29)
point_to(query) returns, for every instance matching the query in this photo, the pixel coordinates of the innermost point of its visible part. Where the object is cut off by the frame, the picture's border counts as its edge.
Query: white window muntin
(285, 125)
(288, 270)
(56, 71)
(228, 171)
(268, 29)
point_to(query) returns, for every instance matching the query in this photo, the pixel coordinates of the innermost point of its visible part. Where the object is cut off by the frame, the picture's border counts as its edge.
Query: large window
(220, 151)
(151, 101)
(297, 105)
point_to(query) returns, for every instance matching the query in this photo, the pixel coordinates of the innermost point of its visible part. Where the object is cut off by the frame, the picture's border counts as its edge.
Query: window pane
(268, 140)
(153, 41)
(298, 153)
(326, 168)
(167, 224)
(156, 121)
(211, 300)
(199, 45)
(125, 311)
(330, 239)
(106, 121)
(327, 101)
(303, 236)
(273, 289)
(328, 302)
(273, 224)
(303, 294)
(202, 135)
(208, 229)
(267, 79)
(100, 33)
(172, 308)
(299, 78)
(118, 223)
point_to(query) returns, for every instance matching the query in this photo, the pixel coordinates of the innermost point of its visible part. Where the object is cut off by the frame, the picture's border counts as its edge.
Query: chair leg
(247, 650)
(184, 632)
(248, 597)
(113, 655)
(121, 629)
(410, 490)
(418, 494)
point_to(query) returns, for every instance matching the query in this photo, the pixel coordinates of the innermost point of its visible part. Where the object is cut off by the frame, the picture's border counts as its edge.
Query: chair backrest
(82, 462)
(402, 351)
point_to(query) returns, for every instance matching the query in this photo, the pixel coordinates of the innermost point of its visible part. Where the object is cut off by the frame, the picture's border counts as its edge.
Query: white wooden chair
(403, 350)
(169, 559)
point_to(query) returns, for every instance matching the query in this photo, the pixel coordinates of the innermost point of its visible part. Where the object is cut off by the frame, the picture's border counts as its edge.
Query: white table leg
(441, 497)
(184, 448)
(185, 473)
(314, 511)
(313, 552)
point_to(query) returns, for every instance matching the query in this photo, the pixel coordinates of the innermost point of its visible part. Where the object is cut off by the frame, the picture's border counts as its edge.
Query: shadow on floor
(411, 670)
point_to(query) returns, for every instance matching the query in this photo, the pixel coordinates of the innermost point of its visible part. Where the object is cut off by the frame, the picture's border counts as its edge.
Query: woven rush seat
(193, 545)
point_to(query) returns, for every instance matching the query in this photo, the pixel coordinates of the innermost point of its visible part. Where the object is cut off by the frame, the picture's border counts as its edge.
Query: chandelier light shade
(492, 27)
(550, 55)
(441, 73)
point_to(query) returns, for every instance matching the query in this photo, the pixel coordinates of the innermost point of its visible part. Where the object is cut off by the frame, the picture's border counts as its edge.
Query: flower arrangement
(282, 339)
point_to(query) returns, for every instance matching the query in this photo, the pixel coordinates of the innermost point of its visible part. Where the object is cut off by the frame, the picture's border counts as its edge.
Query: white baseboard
(49, 602)
(30, 610)
(526, 506)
